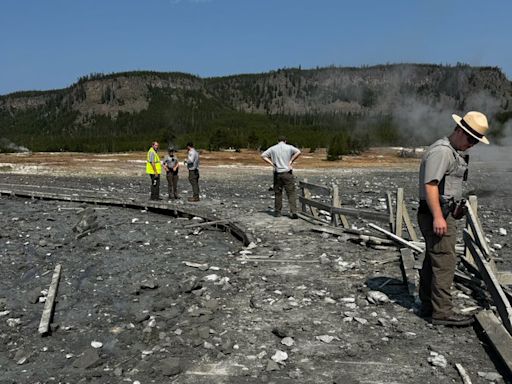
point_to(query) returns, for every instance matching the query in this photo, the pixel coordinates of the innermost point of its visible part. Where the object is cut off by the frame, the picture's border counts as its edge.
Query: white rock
(212, 277)
(348, 300)
(377, 297)
(437, 360)
(96, 344)
(279, 356)
(288, 341)
(13, 322)
(360, 320)
(251, 245)
(502, 231)
(4, 313)
(491, 376)
(497, 246)
(329, 300)
(69, 355)
(325, 338)
(195, 265)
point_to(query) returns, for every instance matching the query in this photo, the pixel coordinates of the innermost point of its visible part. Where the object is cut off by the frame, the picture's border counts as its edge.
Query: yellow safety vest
(158, 166)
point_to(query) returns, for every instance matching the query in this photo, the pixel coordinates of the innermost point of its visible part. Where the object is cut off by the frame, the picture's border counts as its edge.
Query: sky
(50, 44)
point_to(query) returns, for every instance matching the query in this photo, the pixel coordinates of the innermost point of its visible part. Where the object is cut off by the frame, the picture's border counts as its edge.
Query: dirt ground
(170, 304)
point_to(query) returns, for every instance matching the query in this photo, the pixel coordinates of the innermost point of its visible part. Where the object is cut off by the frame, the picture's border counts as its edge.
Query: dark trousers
(155, 186)
(436, 275)
(172, 185)
(285, 180)
(193, 177)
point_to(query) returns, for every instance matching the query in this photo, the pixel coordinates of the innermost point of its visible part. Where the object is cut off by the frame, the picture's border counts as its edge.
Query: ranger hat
(475, 124)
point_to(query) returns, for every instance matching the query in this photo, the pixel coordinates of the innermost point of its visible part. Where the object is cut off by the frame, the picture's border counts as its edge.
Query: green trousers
(436, 275)
(285, 180)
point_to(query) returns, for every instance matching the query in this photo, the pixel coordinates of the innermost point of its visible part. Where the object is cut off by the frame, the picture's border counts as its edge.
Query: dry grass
(133, 162)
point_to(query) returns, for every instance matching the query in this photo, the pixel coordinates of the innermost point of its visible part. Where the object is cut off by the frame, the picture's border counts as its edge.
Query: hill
(348, 108)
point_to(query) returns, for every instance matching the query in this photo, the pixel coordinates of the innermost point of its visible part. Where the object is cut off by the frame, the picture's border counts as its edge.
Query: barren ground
(160, 321)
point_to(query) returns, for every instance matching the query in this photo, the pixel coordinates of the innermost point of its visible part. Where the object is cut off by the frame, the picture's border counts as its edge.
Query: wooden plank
(408, 223)
(314, 187)
(477, 231)
(381, 216)
(498, 336)
(473, 202)
(337, 231)
(205, 223)
(397, 238)
(266, 260)
(505, 277)
(343, 210)
(408, 272)
(311, 219)
(315, 204)
(399, 211)
(462, 372)
(391, 214)
(44, 325)
(493, 286)
(307, 195)
(336, 202)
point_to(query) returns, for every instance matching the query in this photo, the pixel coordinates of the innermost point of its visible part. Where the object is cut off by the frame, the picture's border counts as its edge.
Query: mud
(227, 316)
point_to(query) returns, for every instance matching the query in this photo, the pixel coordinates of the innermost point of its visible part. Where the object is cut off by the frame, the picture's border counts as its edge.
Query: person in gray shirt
(171, 166)
(281, 157)
(441, 174)
(192, 164)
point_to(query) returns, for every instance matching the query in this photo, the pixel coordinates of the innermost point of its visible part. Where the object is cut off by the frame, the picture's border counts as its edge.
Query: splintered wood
(44, 325)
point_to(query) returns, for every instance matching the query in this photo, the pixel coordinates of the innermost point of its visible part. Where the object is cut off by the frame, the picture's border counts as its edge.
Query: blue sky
(49, 44)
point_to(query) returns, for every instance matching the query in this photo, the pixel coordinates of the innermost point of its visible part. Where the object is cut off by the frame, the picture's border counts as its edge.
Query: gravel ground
(298, 314)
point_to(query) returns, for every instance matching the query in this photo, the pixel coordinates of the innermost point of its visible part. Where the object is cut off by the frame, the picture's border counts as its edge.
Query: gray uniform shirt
(280, 154)
(171, 163)
(439, 161)
(192, 160)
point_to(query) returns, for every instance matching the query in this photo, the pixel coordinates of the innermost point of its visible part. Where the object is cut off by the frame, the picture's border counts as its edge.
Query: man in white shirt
(281, 156)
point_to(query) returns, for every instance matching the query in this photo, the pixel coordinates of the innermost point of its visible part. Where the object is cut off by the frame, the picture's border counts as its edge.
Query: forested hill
(347, 107)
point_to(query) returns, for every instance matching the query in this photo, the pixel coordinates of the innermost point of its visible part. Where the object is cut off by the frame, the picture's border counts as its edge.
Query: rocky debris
(377, 297)
(301, 286)
(88, 359)
(279, 356)
(437, 360)
(170, 366)
(490, 376)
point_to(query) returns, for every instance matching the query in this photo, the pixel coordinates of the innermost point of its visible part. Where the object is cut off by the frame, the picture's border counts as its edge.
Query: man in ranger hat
(171, 166)
(442, 171)
(154, 169)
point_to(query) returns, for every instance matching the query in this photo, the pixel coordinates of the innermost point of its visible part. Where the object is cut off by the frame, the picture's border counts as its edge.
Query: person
(442, 171)
(171, 166)
(281, 156)
(192, 163)
(154, 169)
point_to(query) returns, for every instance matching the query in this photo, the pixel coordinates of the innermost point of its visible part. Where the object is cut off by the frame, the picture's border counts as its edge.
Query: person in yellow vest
(154, 169)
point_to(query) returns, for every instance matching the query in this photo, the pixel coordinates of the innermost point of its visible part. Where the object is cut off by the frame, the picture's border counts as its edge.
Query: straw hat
(475, 124)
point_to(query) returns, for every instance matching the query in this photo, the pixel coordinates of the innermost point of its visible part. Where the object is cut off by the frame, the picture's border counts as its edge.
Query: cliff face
(288, 91)
(135, 104)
